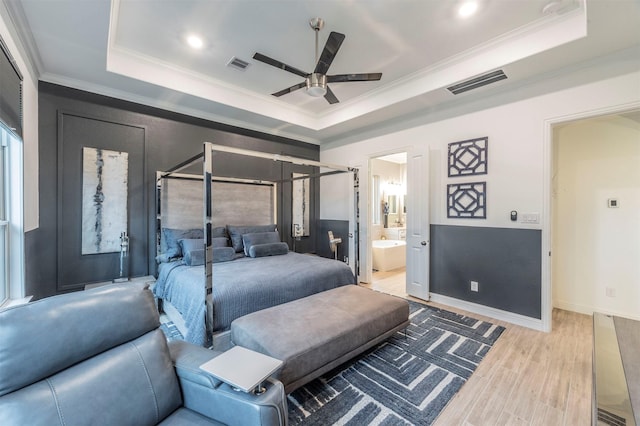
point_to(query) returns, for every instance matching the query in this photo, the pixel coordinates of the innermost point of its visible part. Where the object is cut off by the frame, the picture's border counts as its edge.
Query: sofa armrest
(215, 399)
(187, 359)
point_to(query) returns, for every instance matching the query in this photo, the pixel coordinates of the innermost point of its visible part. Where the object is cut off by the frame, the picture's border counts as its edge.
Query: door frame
(368, 270)
(547, 208)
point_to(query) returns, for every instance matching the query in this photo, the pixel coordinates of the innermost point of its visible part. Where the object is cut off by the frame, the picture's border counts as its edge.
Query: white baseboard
(589, 310)
(487, 311)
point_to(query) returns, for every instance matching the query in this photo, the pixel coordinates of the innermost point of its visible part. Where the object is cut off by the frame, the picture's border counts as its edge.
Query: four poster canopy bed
(220, 251)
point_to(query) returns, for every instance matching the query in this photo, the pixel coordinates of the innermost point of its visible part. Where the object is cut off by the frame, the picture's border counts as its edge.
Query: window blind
(10, 91)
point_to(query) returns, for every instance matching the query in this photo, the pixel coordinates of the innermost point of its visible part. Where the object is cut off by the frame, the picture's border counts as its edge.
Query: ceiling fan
(316, 82)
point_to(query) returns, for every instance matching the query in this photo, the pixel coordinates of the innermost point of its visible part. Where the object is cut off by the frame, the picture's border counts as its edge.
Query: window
(11, 228)
(11, 179)
(4, 223)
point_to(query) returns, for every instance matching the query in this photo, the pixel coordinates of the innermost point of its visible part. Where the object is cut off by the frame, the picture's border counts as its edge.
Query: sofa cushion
(183, 416)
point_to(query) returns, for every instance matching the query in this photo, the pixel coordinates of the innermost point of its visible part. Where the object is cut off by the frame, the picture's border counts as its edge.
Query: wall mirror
(300, 205)
(393, 204)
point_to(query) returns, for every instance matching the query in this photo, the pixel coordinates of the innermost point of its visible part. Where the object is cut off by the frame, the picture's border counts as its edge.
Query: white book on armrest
(242, 368)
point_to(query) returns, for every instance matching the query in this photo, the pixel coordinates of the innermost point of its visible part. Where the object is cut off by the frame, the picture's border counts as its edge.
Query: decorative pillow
(219, 232)
(190, 249)
(187, 245)
(169, 246)
(223, 254)
(236, 233)
(219, 242)
(268, 249)
(259, 238)
(194, 257)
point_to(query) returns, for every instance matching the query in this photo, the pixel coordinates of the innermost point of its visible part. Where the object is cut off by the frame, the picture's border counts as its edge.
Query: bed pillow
(187, 245)
(219, 232)
(236, 233)
(197, 257)
(219, 242)
(223, 254)
(192, 251)
(249, 240)
(193, 258)
(169, 246)
(268, 249)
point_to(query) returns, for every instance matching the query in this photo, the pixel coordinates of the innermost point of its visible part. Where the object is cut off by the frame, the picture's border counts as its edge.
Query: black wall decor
(467, 200)
(467, 158)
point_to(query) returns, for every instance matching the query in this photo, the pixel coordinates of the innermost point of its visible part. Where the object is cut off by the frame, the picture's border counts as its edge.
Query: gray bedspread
(245, 285)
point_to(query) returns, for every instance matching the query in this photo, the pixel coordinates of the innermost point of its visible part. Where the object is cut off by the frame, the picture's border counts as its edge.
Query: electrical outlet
(474, 285)
(610, 292)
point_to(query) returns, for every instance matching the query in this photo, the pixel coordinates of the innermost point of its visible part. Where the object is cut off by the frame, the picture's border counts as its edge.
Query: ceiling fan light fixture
(316, 85)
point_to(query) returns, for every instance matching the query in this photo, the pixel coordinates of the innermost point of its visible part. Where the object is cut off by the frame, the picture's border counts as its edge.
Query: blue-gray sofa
(98, 357)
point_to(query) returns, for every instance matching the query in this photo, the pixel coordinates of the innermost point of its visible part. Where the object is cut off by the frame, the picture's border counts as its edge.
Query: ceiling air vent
(238, 64)
(476, 82)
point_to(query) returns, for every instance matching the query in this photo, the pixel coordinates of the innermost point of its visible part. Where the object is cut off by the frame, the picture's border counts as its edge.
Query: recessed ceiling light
(195, 41)
(467, 8)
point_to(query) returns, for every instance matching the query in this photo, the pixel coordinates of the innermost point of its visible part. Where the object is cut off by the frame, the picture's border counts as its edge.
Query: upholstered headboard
(235, 202)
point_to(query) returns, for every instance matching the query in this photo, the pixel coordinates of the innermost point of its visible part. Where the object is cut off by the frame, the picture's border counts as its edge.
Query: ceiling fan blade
(269, 61)
(341, 78)
(330, 97)
(290, 89)
(329, 52)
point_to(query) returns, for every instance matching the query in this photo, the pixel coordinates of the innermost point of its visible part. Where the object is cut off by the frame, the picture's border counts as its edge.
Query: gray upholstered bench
(317, 333)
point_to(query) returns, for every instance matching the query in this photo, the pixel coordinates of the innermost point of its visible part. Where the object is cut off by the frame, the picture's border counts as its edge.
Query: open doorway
(595, 199)
(387, 225)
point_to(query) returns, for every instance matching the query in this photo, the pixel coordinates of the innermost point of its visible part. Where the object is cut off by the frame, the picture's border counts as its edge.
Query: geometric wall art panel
(104, 199)
(467, 158)
(467, 200)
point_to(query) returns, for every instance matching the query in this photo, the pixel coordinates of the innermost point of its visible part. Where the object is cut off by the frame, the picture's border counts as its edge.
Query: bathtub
(389, 254)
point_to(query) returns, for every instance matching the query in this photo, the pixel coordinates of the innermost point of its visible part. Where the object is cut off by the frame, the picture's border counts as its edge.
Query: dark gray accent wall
(340, 229)
(505, 262)
(168, 138)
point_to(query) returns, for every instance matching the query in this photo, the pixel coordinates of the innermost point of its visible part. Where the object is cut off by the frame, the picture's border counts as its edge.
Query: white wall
(595, 247)
(30, 121)
(517, 132)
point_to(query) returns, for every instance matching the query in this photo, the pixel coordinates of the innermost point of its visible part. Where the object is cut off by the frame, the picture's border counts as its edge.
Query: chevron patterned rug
(405, 380)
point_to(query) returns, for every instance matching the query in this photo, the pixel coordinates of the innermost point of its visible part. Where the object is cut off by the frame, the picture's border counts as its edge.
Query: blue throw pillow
(219, 242)
(187, 244)
(249, 240)
(236, 233)
(223, 254)
(269, 249)
(169, 241)
(194, 257)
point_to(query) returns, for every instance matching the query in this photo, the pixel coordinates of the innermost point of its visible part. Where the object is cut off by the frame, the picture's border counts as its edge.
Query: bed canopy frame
(257, 189)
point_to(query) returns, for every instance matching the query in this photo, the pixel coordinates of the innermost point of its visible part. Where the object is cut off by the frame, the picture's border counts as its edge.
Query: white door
(418, 245)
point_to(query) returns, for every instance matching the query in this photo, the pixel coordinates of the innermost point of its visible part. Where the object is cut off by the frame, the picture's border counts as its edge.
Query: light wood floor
(527, 378)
